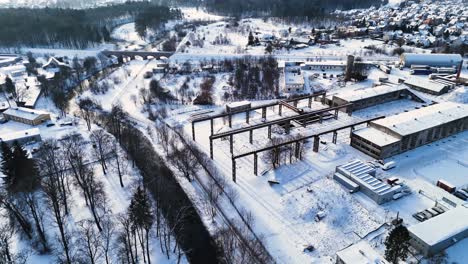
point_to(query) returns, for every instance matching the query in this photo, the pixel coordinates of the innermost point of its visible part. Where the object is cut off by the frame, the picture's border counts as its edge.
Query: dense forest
(73, 28)
(281, 8)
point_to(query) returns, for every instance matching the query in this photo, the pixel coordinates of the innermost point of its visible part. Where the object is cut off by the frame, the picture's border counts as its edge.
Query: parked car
(389, 165)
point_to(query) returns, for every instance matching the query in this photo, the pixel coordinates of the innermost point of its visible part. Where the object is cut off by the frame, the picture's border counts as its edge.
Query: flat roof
(360, 172)
(293, 78)
(425, 84)
(411, 122)
(26, 113)
(443, 226)
(359, 94)
(362, 253)
(376, 136)
(19, 134)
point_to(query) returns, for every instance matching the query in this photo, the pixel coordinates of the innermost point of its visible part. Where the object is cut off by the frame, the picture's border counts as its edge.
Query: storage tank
(433, 60)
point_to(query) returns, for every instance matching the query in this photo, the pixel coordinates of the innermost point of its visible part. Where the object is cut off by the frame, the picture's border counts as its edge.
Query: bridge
(133, 54)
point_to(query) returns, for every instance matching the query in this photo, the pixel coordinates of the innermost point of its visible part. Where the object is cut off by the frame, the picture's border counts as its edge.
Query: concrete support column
(295, 103)
(336, 113)
(288, 127)
(193, 131)
(320, 118)
(323, 99)
(255, 164)
(316, 144)
(211, 148)
(231, 144)
(264, 112)
(247, 117)
(233, 170)
(230, 120)
(269, 132)
(280, 109)
(310, 102)
(251, 136)
(211, 125)
(335, 136)
(296, 150)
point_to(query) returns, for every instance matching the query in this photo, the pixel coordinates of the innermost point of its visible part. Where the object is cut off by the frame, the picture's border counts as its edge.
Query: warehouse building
(22, 137)
(434, 87)
(432, 60)
(363, 175)
(438, 233)
(360, 252)
(26, 115)
(392, 135)
(368, 97)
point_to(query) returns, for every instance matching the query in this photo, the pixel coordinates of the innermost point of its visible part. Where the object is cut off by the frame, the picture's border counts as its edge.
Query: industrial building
(360, 252)
(434, 87)
(22, 137)
(368, 97)
(363, 175)
(392, 135)
(438, 233)
(432, 60)
(324, 65)
(26, 115)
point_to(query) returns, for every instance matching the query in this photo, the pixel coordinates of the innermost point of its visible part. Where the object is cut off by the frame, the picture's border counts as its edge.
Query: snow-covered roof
(411, 122)
(237, 104)
(293, 78)
(355, 95)
(376, 136)
(425, 83)
(443, 226)
(25, 113)
(55, 62)
(362, 253)
(430, 59)
(12, 136)
(361, 172)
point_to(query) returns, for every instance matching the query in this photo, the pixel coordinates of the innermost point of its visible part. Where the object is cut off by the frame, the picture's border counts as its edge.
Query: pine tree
(397, 244)
(25, 178)
(251, 39)
(9, 86)
(7, 166)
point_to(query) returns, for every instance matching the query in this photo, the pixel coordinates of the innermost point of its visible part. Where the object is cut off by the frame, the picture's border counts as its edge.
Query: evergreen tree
(7, 166)
(397, 244)
(251, 39)
(10, 86)
(19, 170)
(140, 209)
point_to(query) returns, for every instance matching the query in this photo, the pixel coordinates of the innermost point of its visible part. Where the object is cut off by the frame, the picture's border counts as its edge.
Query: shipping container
(446, 186)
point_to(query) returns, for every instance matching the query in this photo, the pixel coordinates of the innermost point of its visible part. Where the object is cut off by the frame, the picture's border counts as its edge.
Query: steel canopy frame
(295, 141)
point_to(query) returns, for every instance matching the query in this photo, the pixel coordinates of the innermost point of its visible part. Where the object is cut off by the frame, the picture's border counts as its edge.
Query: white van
(389, 165)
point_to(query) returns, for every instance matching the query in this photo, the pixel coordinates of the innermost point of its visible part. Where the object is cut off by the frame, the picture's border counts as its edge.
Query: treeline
(282, 8)
(71, 28)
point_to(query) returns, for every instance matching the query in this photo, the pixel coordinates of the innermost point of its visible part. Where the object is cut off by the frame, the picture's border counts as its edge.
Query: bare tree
(185, 161)
(51, 186)
(6, 240)
(102, 147)
(107, 236)
(50, 160)
(164, 135)
(89, 243)
(83, 173)
(120, 162)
